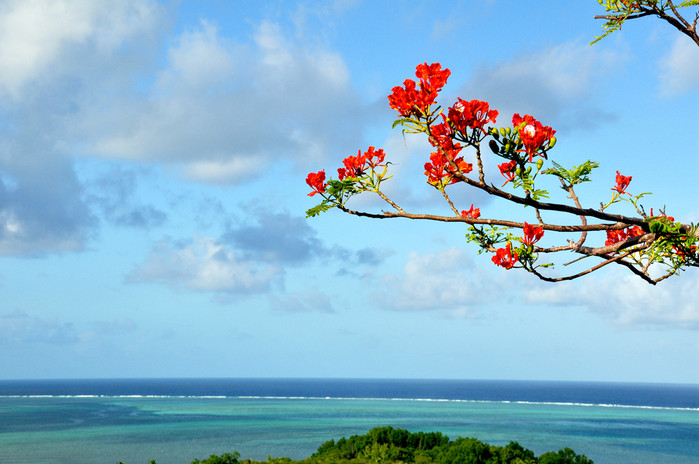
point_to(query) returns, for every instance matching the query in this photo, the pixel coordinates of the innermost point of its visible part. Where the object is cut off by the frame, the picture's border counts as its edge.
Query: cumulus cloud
(275, 237)
(36, 34)
(41, 209)
(444, 281)
(20, 327)
(554, 84)
(250, 257)
(203, 264)
(55, 53)
(113, 193)
(679, 70)
(627, 301)
(223, 111)
(279, 237)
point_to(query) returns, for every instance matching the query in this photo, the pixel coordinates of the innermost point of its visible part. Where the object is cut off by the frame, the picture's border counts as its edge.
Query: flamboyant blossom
(508, 171)
(316, 180)
(410, 100)
(532, 234)
(505, 257)
(616, 236)
(532, 133)
(621, 183)
(474, 114)
(355, 166)
(472, 213)
(439, 170)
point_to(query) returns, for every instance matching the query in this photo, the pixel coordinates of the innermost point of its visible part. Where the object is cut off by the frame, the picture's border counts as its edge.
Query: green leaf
(399, 122)
(316, 210)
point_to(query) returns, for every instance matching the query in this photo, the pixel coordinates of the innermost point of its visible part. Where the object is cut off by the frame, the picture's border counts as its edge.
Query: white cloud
(554, 85)
(204, 265)
(679, 70)
(446, 281)
(627, 301)
(55, 55)
(222, 111)
(35, 33)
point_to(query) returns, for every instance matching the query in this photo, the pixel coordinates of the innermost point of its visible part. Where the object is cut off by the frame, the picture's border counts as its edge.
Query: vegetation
(388, 445)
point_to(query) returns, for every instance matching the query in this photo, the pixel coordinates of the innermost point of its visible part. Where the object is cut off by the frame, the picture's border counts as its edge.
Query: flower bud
(539, 164)
(552, 142)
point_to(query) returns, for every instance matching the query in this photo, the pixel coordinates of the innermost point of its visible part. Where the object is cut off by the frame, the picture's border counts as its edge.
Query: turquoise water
(175, 430)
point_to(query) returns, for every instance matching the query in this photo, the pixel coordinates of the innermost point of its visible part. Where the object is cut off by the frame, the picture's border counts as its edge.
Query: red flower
(621, 183)
(505, 257)
(662, 216)
(374, 157)
(508, 170)
(616, 236)
(408, 100)
(473, 213)
(532, 234)
(432, 77)
(317, 182)
(532, 133)
(405, 100)
(474, 114)
(440, 171)
(355, 166)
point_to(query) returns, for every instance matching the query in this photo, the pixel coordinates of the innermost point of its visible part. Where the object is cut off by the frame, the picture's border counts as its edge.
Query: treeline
(388, 445)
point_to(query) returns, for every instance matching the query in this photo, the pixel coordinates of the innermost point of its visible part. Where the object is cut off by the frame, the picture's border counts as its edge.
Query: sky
(153, 157)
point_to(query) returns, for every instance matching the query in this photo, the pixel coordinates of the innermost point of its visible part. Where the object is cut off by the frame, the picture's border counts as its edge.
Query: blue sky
(152, 197)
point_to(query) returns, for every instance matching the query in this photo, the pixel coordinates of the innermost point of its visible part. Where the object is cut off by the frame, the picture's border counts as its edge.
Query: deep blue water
(597, 393)
(177, 420)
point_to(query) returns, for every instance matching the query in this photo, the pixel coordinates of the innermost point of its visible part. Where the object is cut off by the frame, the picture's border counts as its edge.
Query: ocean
(177, 420)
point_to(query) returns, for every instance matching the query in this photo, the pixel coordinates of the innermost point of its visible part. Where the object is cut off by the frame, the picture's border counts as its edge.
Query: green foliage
(226, 458)
(388, 445)
(391, 445)
(572, 176)
(564, 456)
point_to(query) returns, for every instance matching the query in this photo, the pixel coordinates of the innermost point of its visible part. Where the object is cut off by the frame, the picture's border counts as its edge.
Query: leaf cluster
(389, 445)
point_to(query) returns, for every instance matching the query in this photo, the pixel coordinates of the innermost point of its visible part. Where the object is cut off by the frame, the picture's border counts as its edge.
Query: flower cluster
(439, 170)
(472, 213)
(474, 114)
(411, 101)
(459, 135)
(616, 236)
(355, 166)
(505, 257)
(532, 133)
(316, 180)
(621, 183)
